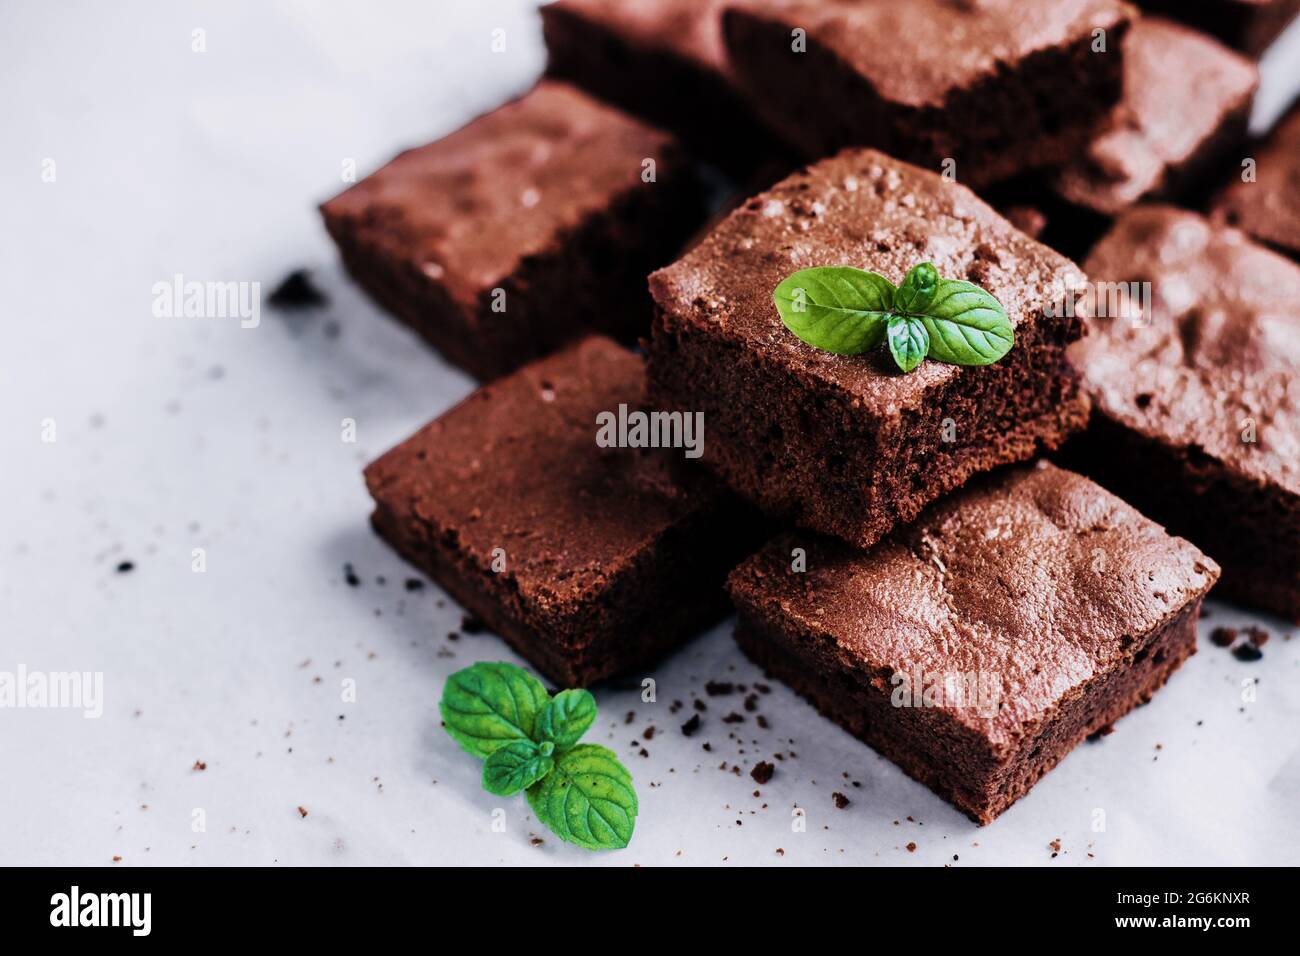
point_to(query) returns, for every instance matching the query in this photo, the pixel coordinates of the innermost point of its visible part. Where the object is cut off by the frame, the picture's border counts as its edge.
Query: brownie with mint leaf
(530, 227)
(978, 646)
(863, 338)
(983, 91)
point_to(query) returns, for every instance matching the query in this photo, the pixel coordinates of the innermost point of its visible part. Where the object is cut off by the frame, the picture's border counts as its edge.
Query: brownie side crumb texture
(521, 231)
(847, 445)
(588, 561)
(663, 60)
(1269, 207)
(1053, 605)
(999, 87)
(1196, 415)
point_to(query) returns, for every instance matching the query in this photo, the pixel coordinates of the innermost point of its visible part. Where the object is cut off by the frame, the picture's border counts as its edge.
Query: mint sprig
(849, 311)
(529, 742)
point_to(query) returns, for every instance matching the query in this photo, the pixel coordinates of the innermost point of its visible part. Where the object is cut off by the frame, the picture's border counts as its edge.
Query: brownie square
(847, 445)
(589, 561)
(1196, 416)
(663, 60)
(1269, 207)
(1185, 110)
(977, 647)
(522, 230)
(1186, 105)
(1247, 25)
(999, 86)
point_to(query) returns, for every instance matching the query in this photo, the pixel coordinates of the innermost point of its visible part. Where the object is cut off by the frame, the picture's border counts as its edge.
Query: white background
(175, 434)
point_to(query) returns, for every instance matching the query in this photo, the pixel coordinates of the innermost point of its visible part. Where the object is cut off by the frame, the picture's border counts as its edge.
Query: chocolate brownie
(589, 561)
(978, 646)
(1196, 412)
(1247, 25)
(1269, 207)
(522, 230)
(663, 60)
(999, 86)
(1186, 104)
(1185, 109)
(847, 444)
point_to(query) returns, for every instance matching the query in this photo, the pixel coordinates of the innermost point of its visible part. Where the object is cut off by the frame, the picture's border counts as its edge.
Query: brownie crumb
(911, 848)
(200, 765)
(751, 703)
(700, 705)
(734, 718)
(350, 576)
(1223, 636)
(762, 772)
(1256, 635)
(125, 567)
(840, 800)
(302, 811)
(1247, 652)
(719, 688)
(649, 733)
(536, 841)
(691, 725)
(762, 721)
(296, 291)
(629, 717)
(469, 624)
(414, 584)
(780, 851)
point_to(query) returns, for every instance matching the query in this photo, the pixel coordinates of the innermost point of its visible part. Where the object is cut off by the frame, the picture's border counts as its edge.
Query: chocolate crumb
(1256, 635)
(762, 721)
(718, 688)
(469, 624)
(414, 584)
(911, 848)
(840, 800)
(350, 576)
(199, 765)
(302, 811)
(1247, 652)
(734, 718)
(649, 733)
(762, 772)
(296, 291)
(691, 725)
(536, 841)
(125, 567)
(1223, 636)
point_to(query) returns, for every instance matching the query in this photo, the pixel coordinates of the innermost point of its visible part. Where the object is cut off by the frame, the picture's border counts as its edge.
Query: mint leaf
(587, 799)
(835, 308)
(967, 326)
(908, 341)
(489, 705)
(566, 717)
(517, 766)
(917, 291)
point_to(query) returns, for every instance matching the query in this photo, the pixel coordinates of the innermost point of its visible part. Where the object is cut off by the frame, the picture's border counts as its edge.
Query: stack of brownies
(870, 527)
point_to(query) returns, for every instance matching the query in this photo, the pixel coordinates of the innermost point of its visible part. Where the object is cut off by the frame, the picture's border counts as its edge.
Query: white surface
(174, 434)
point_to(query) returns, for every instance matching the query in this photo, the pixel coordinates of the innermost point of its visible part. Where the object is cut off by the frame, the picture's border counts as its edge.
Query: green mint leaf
(489, 705)
(566, 717)
(517, 766)
(835, 308)
(917, 291)
(967, 326)
(908, 341)
(587, 799)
